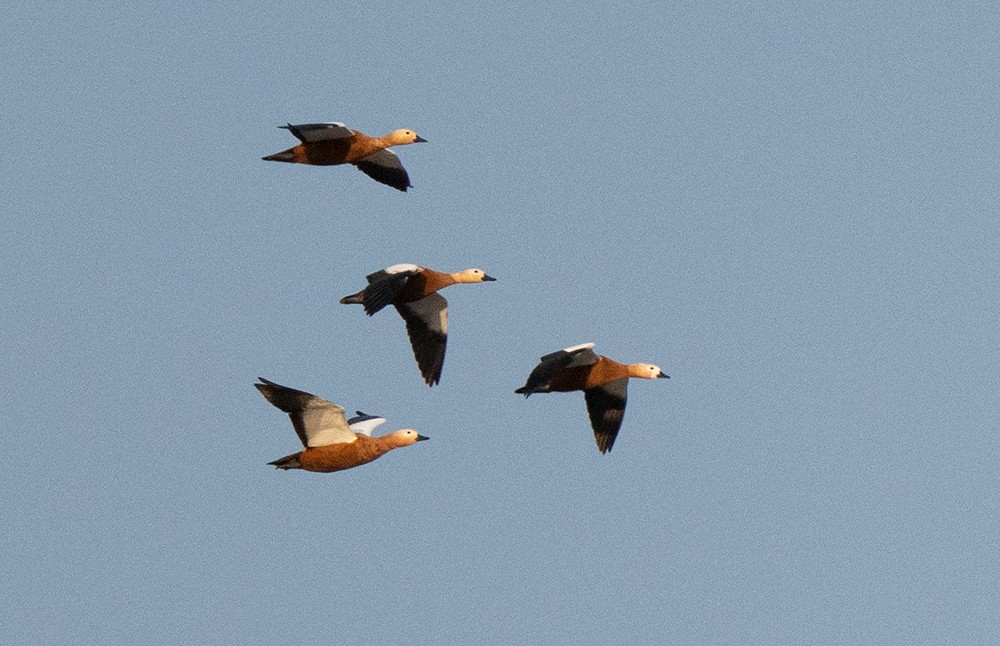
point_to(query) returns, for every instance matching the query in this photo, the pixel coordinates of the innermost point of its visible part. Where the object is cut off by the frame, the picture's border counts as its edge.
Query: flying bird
(330, 144)
(604, 383)
(330, 441)
(413, 291)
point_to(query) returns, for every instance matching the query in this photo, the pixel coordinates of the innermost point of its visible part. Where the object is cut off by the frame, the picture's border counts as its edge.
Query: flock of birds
(331, 441)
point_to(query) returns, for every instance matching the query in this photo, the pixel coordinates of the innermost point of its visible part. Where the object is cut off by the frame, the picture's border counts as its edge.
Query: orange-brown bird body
(423, 284)
(333, 152)
(599, 373)
(337, 457)
(604, 383)
(330, 441)
(331, 144)
(412, 290)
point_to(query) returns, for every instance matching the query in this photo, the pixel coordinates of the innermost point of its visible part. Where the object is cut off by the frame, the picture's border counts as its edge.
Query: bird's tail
(285, 156)
(288, 462)
(524, 390)
(354, 299)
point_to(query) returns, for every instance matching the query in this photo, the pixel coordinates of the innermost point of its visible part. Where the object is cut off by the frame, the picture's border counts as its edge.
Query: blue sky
(790, 207)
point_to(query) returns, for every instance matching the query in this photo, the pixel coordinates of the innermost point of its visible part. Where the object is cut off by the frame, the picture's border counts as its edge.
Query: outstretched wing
(427, 326)
(317, 421)
(384, 286)
(385, 167)
(552, 364)
(365, 424)
(309, 132)
(606, 407)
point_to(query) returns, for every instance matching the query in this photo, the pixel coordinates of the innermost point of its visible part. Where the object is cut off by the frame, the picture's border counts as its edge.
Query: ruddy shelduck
(413, 291)
(330, 144)
(332, 443)
(604, 383)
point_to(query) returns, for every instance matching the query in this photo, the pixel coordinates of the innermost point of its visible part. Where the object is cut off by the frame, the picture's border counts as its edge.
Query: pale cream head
(405, 437)
(471, 276)
(645, 371)
(401, 137)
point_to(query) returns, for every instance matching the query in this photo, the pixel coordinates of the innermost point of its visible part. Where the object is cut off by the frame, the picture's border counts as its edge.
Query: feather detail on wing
(606, 407)
(383, 288)
(555, 362)
(317, 422)
(365, 424)
(310, 132)
(427, 326)
(384, 166)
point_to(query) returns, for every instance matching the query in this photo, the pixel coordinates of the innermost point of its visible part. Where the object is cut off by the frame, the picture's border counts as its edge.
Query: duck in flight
(604, 383)
(413, 290)
(330, 441)
(330, 144)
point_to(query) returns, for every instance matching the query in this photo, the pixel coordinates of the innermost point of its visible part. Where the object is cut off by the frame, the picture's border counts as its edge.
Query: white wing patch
(365, 427)
(582, 346)
(325, 424)
(401, 268)
(443, 314)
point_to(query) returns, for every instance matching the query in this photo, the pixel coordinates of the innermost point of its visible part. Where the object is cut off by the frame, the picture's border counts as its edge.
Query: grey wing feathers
(385, 167)
(427, 326)
(362, 417)
(288, 400)
(308, 132)
(382, 289)
(365, 424)
(553, 363)
(316, 421)
(606, 408)
(571, 358)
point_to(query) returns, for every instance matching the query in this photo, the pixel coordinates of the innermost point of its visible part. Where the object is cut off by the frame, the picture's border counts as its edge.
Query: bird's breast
(337, 457)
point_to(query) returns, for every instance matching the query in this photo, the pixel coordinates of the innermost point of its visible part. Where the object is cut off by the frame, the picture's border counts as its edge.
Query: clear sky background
(791, 207)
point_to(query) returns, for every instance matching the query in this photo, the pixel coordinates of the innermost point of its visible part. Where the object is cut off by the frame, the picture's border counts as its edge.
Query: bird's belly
(325, 459)
(323, 154)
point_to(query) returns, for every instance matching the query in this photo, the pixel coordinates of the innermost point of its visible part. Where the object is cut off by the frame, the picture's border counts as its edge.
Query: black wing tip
(352, 299)
(295, 131)
(429, 346)
(396, 178)
(433, 377)
(283, 156)
(605, 441)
